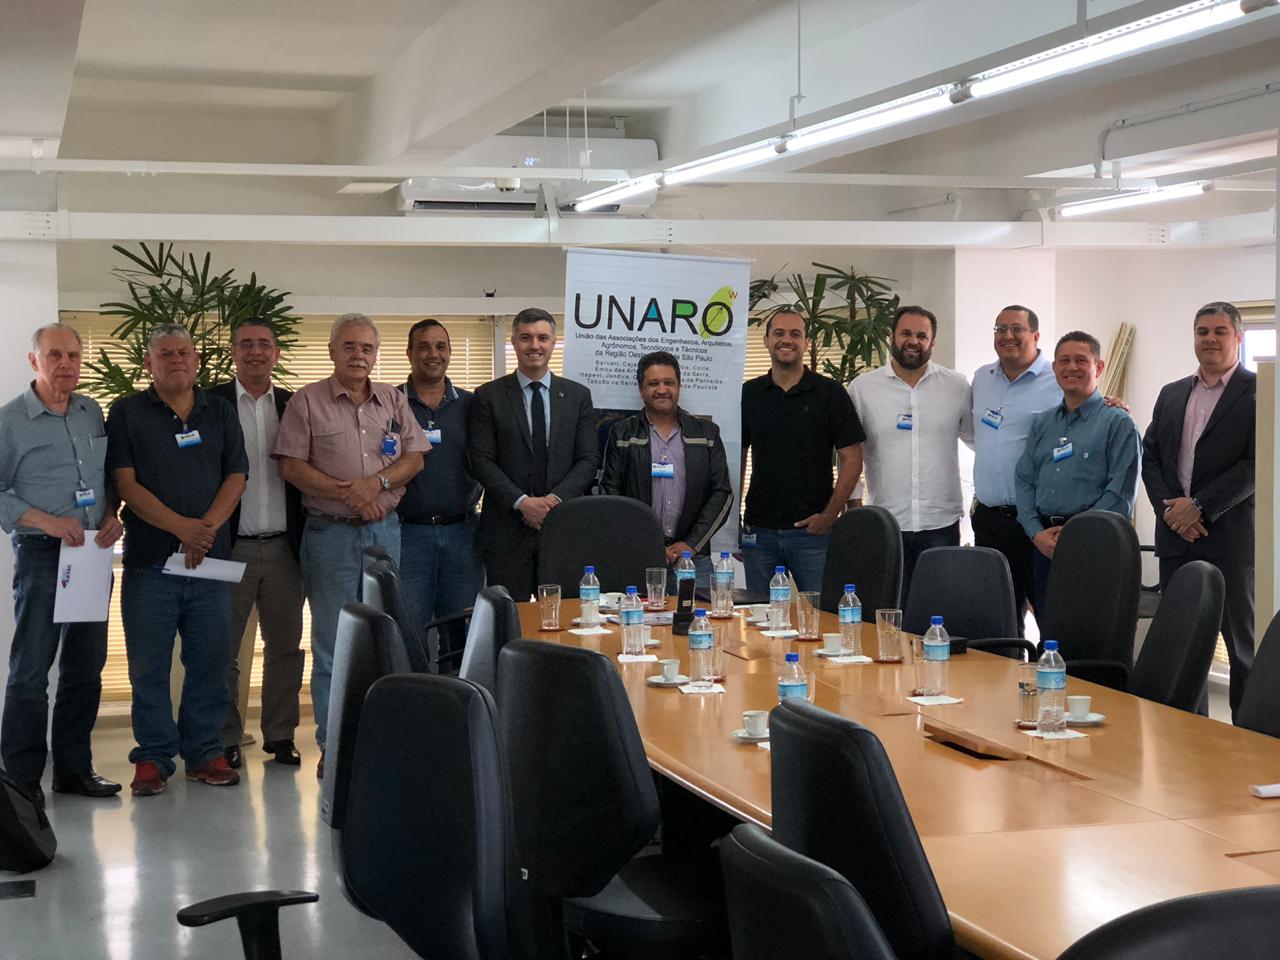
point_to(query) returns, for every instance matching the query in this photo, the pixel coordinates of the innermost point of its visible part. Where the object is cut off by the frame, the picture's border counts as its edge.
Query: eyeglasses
(1001, 329)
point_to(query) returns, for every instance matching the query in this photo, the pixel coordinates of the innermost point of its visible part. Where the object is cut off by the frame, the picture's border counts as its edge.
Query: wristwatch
(1196, 503)
(386, 484)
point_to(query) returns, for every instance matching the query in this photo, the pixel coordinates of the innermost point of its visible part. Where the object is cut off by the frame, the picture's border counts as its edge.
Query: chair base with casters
(257, 914)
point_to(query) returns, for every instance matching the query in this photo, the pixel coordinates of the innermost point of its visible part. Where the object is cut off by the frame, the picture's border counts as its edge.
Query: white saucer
(742, 736)
(822, 652)
(1092, 720)
(657, 681)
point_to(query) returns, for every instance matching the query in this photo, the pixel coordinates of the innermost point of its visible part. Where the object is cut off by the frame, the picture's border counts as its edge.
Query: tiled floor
(125, 866)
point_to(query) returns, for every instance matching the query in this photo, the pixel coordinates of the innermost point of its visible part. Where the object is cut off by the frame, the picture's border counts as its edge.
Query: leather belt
(259, 536)
(439, 520)
(1054, 520)
(332, 518)
(1004, 510)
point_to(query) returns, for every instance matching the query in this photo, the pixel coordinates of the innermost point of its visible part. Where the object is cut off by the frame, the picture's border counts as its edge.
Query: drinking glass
(1028, 695)
(807, 615)
(549, 605)
(889, 636)
(655, 586)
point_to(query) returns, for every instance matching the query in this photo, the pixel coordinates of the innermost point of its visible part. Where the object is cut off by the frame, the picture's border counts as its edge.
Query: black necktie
(538, 418)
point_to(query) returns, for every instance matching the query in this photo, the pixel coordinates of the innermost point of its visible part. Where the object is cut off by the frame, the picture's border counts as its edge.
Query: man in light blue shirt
(1007, 396)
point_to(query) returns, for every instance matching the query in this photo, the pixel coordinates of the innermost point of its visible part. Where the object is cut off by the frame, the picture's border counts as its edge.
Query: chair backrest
(621, 537)
(836, 799)
(865, 549)
(495, 622)
(1260, 705)
(368, 555)
(1094, 582)
(785, 906)
(367, 647)
(382, 591)
(427, 847)
(1241, 924)
(969, 587)
(1173, 666)
(585, 800)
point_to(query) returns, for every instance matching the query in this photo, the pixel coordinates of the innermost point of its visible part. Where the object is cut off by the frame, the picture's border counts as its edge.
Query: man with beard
(915, 412)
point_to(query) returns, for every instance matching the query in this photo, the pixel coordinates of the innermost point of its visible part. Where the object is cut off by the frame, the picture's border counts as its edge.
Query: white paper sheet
(1061, 735)
(84, 582)
(938, 701)
(210, 569)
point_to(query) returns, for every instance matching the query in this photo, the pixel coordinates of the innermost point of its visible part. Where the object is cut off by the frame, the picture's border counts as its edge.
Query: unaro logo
(714, 318)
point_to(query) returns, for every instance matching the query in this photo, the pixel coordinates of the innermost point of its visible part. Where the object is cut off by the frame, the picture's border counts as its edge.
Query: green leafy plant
(848, 316)
(166, 286)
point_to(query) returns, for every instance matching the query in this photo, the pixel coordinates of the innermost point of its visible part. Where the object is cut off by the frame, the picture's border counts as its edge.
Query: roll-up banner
(621, 305)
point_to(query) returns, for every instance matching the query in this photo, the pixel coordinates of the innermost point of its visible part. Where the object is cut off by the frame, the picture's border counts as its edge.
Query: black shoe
(87, 784)
(284, 750)
(34, 791)
(233, 756)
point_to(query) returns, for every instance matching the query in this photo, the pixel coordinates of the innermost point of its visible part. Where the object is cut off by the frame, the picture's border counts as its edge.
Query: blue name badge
(993, 418)
(748, 541)
(1062, 452)
(664, 468)
(904, 421)
(390, 445)
(85, 498)
(433, 437)
(189, 439)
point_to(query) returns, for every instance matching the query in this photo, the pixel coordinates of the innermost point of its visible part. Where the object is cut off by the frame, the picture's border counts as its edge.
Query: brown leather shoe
(320, 767)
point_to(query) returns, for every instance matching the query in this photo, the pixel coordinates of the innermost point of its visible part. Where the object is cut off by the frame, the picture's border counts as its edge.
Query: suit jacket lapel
(516, 397)
(1232, 392)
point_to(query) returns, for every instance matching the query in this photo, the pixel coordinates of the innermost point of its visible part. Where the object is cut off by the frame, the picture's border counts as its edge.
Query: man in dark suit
(531, 440)
(266, 533)
(1198, 469)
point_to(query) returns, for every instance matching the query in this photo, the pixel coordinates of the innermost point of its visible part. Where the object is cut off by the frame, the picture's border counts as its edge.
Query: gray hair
(160, 331)
(532, 315)
(41, 331)
(356, 319)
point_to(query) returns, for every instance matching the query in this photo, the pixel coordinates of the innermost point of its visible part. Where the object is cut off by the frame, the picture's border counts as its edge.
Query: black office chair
(585, 805)
(972, 590)
(495, 622)
(1260, 705)
(785, 906)
(383, 592)
(1241, 924)
(1173, 667)
(367, 647)
(369, 555)
(836, 800)
(619, 536)
(1092, 605)
(865, 549)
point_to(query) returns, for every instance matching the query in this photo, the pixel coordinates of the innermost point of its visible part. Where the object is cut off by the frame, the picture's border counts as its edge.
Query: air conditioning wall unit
(525, 156)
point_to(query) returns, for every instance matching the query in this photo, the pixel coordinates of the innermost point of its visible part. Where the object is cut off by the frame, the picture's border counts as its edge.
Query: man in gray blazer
(531, 440)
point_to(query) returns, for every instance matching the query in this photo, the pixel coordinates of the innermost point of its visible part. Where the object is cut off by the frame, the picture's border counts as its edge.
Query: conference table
(1034, 843)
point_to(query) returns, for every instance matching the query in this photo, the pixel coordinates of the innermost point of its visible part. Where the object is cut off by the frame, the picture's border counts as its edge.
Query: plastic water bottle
(779, 600)
(722, 587)
(684, 569)
(1051, 689)
(589, 594)
(631, 613)
(793, 682)
(701, 647)
(931, 672)
(850, 612)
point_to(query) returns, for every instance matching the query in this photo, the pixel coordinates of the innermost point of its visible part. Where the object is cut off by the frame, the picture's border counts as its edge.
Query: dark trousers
(514, 566)
(1237, 614)
(35, 645)
(1039, 583)
(916, 542)
(1000, 530)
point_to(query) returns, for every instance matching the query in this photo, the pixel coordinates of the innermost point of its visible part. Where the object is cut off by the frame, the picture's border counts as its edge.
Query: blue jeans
(804, 554)
(332, 564)
(35, 644)
(155, 607)
(440, 569)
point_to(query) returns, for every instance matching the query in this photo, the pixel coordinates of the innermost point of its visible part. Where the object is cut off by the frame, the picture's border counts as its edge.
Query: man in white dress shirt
(914, 413)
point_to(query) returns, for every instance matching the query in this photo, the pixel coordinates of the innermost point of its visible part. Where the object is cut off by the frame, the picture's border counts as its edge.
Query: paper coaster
(589, 631)
(633, 658)
(848, 659)
(1064, 735)
(935, 701)
(1265, 790)
(764, 746)
(780, 634)
(690, 688)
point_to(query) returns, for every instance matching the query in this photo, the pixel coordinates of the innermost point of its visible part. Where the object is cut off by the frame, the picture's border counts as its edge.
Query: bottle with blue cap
(722, 587)
(685, 569)
(779, 600)
(793, 682)
(589, 596)
(702, 643)
(931, 667)
(631, 614)
(1051, 689)
(849, 611)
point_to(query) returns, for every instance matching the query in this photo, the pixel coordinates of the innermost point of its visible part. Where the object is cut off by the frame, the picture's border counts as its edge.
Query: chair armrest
(1002, 644)
(1106, 673)
(452, 627)
(239, 904)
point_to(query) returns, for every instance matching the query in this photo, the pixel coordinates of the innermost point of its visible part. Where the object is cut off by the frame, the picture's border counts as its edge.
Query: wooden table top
(1153, 804)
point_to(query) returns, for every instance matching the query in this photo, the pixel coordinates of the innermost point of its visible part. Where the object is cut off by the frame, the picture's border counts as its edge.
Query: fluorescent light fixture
(875, 118)
(1139, 35)
(736, 159)
(1104, 204)
(619, 191)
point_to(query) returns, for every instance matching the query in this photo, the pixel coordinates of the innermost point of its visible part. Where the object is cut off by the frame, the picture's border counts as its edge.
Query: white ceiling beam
(37, 57)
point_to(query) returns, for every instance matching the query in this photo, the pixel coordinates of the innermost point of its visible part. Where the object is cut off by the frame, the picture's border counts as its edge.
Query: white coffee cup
(646, 634)
(610, 599)
(670, 669)
(831, 643)
(1078, 707)
(759, 611)
(755, 722)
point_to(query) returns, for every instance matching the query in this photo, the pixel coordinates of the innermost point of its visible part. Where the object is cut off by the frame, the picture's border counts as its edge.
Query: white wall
(28, 299)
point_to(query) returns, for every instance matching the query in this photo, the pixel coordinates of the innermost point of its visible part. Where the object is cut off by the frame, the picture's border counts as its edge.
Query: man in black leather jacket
(673, 461)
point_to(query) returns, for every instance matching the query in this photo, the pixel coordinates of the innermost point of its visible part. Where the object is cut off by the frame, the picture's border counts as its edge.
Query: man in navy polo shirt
(176, 455)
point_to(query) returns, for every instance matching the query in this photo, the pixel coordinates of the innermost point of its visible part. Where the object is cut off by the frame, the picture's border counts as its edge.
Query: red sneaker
(216, 772)
(147, 780)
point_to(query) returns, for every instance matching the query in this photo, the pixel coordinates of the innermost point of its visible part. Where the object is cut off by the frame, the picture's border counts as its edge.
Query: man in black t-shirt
(792, 419)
